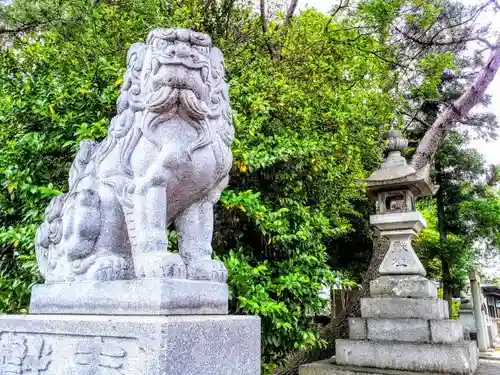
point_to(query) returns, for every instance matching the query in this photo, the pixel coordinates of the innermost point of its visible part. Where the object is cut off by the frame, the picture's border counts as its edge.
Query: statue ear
(135, 56)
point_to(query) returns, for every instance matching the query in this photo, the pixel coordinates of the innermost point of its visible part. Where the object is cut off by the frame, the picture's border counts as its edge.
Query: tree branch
(334, 12)
(339, 8)
(415, 118)
(263, 16)
(462, 106)
(451, 42)
(263, 21)
(431, 41)
(290, 12)
(23, 28)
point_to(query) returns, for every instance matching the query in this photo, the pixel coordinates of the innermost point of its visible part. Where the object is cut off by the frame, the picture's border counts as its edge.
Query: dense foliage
(462, 219)
(311, 99)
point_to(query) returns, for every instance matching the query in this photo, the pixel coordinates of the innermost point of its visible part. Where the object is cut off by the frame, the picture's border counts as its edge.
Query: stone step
(395, 308)
(406, 330)
(413, 286)
(455, 359)
(329, 367)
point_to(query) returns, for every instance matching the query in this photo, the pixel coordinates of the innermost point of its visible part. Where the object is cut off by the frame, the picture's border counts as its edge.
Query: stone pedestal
(410, 334)
(132, 297)
(467, 319)
(404, 326)
(130, 327)
(129, 345)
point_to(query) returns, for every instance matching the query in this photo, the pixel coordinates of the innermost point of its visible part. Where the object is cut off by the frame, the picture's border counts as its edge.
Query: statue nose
(180, 51)
(178, 80)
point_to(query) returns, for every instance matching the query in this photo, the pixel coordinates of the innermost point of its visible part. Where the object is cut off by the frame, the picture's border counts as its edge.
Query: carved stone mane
(165, 160)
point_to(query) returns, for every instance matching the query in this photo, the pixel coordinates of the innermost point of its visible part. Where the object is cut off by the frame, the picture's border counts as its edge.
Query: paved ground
(494, 354)
(486, 367)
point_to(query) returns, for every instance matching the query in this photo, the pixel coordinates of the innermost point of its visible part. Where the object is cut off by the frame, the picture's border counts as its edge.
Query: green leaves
(469, 216)
(382, 12)
(432, 67)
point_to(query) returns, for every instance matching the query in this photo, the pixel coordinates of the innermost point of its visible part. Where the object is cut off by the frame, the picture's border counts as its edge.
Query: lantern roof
(396, 174)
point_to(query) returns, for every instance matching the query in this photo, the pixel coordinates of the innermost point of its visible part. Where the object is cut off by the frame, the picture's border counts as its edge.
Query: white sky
(491, 150)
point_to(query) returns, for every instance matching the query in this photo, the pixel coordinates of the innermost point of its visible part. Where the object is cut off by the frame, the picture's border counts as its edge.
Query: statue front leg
(195, 227)
(147, 226)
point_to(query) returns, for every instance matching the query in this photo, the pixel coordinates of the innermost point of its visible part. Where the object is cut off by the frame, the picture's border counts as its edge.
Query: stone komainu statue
(165, 160)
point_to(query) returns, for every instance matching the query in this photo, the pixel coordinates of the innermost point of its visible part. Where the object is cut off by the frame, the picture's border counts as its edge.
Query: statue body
(165, 161)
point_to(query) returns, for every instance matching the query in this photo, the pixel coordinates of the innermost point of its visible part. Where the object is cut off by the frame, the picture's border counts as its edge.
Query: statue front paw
(106, 268)
(160, 265)
(207, 269)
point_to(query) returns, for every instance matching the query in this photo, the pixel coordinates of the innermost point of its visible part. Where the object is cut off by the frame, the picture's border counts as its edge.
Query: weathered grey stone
(401, 258)
(414, 286)
(389, 222)
(406, 330)
(130, 345)
(165, 161)
(446, 331)
(466, 305)
(394, 308)
(401, 330)
(468, 321)
(131, 297)
(396, 174)
(357, 328)
(395, 185)
(329, 367)
(479, 318)
(456, 359)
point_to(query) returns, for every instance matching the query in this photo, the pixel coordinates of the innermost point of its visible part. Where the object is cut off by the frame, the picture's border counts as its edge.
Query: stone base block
(328, 367)
(395, 308)
(456, 359)
(131, 297)
(406, 330)
(413, 286)
(129, 345)
(468, 321)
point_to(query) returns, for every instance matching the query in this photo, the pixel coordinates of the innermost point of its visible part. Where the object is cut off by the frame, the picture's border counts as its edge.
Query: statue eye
(202, 50)
(162, 44)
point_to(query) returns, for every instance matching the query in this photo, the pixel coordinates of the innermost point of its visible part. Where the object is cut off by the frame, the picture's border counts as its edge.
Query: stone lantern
(403, 326)
(394, 187)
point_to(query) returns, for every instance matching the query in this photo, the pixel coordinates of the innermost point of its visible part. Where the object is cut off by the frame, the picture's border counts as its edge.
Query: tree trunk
(428, 146)
(443, 237)
(338, 327)
(447, 291)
